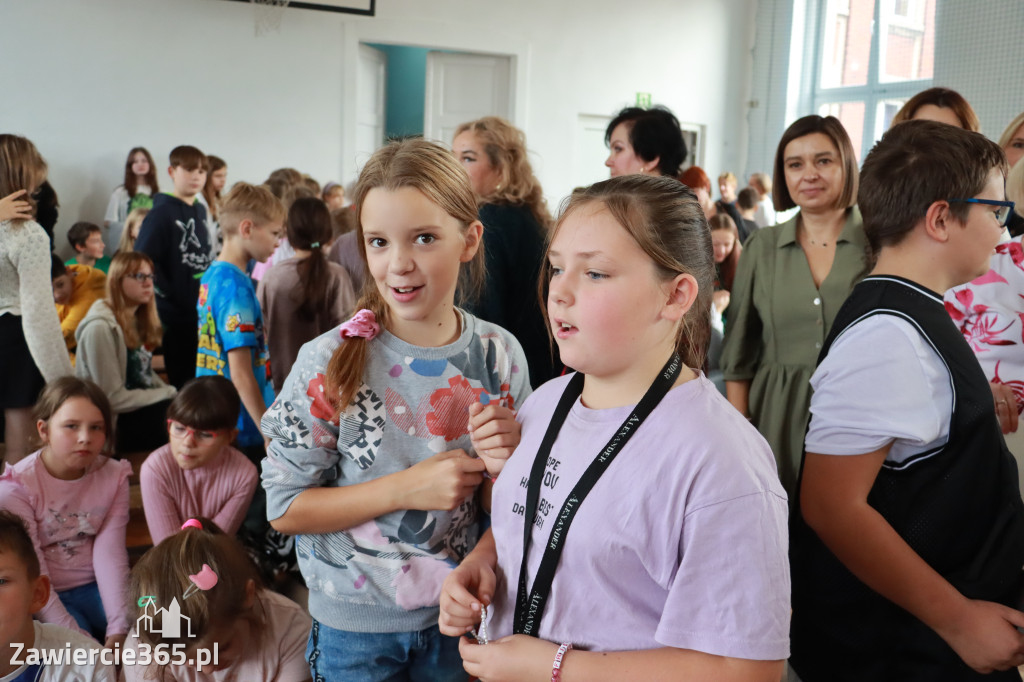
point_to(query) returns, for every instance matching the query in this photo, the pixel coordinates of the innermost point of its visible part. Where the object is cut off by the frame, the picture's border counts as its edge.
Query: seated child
(75, 504)
(132, 224)
(87, 241)
(115, 349)
(75, 289)
(198, 473)
(24, 591)
(257, 634)
(907, 551)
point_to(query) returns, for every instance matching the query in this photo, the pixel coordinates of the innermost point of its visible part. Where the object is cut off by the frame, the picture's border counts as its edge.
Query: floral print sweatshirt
(385, 575)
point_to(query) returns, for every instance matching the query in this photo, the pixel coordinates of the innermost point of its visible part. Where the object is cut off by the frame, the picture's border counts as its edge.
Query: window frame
(875, 91)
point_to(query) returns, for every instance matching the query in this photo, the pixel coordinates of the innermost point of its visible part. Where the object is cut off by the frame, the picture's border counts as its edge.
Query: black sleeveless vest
(957, 506)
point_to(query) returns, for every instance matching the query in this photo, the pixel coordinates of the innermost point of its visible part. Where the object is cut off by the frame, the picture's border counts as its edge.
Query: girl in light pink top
(198, 473)
(238, 629)
(74, 502)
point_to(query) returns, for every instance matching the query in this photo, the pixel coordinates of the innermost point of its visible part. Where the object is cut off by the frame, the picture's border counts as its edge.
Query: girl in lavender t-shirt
(675, 565)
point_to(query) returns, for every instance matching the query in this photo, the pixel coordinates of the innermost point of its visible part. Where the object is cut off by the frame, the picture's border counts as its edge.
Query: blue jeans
(424, 656)
(86, 607)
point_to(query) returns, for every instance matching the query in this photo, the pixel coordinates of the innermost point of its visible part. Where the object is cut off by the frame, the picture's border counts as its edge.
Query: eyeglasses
(1002, 215)
(178, 430)
(141, 277)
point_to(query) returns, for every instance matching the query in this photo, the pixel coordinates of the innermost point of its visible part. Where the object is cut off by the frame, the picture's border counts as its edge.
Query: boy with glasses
(908, 540)
(198, 473)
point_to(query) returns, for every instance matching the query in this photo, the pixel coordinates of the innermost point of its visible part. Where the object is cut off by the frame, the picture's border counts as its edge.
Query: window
(866, 74)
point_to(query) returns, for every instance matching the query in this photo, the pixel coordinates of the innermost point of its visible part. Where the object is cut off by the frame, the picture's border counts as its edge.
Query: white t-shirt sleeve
(881, 383)
(55, 638)
(116, 206)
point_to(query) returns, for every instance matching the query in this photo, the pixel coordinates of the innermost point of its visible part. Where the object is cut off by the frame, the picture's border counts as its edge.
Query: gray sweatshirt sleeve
(303, 449)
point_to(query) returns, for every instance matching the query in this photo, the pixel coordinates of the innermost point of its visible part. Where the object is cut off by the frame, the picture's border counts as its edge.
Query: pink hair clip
(192, 523)
(204, 580)
(363, 325)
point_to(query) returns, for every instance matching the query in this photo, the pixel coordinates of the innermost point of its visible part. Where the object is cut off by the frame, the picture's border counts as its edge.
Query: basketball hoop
(268, 15)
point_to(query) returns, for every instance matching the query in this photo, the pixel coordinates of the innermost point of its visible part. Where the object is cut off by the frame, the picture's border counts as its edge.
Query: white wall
(86, 81)
(90, 80)
(980, 53)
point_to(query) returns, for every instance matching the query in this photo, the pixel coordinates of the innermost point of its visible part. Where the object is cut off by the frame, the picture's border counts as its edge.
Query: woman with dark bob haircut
(791, 281)
(645, 141)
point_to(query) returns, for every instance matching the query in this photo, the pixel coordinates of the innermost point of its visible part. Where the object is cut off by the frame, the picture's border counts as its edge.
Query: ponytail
(314, 276)
(310, 229)
(344, 373)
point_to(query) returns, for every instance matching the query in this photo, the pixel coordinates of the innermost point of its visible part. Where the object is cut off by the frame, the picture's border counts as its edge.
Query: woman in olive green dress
(791, 281)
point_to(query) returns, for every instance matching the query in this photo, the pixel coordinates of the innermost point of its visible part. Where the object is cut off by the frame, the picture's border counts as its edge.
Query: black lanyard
(530, 603)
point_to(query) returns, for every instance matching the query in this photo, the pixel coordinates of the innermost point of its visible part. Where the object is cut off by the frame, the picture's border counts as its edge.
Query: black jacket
(174, 235)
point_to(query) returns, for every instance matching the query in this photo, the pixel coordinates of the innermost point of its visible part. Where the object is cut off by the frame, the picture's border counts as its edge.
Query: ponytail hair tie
(192, 523)
(363, 325)
(315, 245)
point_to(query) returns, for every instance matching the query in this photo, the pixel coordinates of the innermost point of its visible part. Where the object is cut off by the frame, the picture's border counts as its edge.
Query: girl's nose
(608, 161)
(558, 291)
(401, 261)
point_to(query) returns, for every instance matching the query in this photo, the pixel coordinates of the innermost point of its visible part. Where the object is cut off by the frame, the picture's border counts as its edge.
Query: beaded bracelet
(556, 667)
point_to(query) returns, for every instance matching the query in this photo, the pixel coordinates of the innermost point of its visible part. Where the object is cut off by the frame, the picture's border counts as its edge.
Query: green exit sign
(643, 100)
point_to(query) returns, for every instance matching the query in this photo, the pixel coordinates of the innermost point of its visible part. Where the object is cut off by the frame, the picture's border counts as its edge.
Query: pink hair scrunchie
(363, 325)
(192, 523)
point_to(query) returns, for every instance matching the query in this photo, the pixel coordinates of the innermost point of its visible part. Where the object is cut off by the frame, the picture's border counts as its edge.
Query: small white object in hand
(481, 632)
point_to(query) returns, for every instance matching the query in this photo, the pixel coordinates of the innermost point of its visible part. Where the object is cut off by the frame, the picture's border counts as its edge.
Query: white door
(370, 84)
(462, 87)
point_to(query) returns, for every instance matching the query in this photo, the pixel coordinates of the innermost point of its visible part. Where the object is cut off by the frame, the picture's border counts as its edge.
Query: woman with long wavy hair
(516, 221)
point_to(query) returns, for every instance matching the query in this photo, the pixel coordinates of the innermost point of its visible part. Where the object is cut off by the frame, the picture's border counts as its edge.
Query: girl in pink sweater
(74, 502)
(198, 473)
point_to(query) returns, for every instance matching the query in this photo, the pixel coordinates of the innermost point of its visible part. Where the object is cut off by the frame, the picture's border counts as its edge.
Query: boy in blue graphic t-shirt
(232, 342)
